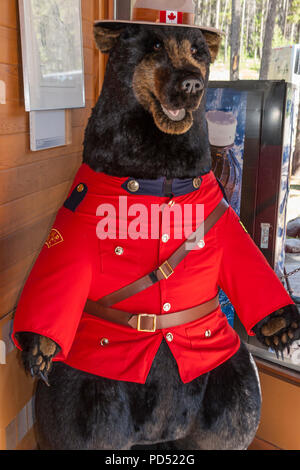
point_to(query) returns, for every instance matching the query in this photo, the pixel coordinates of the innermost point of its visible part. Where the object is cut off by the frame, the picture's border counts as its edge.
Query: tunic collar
(162, 187)
(101, 183)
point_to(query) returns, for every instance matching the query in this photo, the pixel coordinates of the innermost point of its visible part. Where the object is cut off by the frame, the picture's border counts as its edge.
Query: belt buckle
(163, 270)
(139, 322)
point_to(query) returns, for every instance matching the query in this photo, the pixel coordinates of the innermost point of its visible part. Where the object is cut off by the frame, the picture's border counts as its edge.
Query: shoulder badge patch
(243, 226)
(54, 238)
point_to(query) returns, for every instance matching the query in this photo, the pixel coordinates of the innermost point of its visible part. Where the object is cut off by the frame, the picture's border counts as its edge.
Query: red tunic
(75, 265)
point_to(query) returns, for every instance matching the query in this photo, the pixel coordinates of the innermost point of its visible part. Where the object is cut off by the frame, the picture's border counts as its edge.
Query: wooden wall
(280, 415)
(33, 185)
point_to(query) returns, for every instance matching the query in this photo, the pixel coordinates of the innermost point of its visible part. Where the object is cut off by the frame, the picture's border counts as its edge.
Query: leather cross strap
(147, 322)
(166, 270)
(150, 323)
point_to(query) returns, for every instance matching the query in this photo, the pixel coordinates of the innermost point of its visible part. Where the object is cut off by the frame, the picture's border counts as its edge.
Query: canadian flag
(169, 16)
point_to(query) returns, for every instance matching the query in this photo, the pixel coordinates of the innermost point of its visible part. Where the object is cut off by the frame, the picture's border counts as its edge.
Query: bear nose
(191, 86)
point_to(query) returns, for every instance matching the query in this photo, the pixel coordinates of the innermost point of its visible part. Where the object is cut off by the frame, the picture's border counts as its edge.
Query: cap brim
(121, 22)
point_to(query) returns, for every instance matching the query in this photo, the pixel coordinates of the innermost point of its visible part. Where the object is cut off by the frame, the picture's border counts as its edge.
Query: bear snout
(192, 86)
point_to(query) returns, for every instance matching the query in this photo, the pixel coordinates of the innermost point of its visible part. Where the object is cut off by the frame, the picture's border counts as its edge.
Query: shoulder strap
(166, 270)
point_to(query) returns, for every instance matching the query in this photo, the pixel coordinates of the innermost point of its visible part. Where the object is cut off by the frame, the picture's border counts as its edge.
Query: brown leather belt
(150, 323)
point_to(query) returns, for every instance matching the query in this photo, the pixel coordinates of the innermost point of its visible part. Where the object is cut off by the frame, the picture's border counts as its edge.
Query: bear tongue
(175, 115)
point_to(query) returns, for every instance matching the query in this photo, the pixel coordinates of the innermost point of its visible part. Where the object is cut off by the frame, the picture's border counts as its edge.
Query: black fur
(122, 139)
(218, 410)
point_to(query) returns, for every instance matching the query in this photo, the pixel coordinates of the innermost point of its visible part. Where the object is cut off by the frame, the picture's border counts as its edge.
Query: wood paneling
(16, 389)
(32, 178)
(89, 88)
(15, 151)
(89, 10)
(31, 207)
(12, 281)
(279, 372)
(2, 439)
(87, 30)
(88, 56)
(9, 50)
(10, 76)
(33, 185)
(13, 119)
(260, 444)
(110, 9)
(8, 13)
(80, 116)
(24, 242)
(280, 415)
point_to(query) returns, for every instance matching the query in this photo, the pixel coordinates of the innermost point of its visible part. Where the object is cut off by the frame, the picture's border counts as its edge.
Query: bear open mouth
(174, 115)
(176, 121)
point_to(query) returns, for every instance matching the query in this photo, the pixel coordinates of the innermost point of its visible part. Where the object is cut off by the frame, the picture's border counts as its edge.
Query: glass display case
(251, 126)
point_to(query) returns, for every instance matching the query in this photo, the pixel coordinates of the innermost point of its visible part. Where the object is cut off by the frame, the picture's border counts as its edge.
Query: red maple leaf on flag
(171, 17)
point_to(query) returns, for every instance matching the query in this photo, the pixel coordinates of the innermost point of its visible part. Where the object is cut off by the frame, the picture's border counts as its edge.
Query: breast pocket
(119, 246)
(203, 256)
(120, 258)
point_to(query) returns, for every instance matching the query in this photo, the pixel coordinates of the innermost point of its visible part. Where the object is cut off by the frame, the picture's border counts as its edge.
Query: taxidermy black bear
(111, 378)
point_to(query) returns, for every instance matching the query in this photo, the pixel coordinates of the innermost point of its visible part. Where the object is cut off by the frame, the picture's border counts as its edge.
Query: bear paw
(37, 354)
(280, 329)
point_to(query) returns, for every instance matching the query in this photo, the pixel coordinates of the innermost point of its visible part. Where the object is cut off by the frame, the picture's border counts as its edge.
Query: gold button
(119, 250)
(167, 307)
(201, 244)
(165, 238)
(133, 186)
(171, 203)
(80, 188)
(169, 337)
(207, 334)
(104, 342)
(197, 183)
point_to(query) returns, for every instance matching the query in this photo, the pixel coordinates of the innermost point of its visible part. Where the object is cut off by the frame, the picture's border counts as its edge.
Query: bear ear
(213, 40)
(106, 38)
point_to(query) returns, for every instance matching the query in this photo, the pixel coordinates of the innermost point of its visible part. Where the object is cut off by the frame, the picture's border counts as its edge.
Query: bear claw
(37, 354)
(279, 330)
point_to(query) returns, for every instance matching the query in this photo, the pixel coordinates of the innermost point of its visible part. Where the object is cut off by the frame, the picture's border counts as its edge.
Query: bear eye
(157, 46)
(194, 50)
